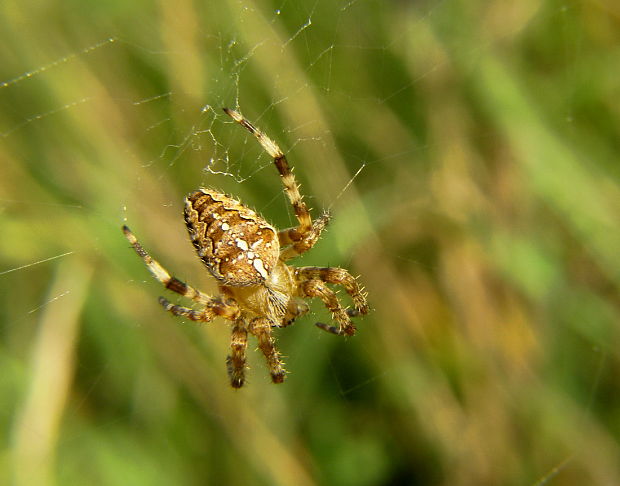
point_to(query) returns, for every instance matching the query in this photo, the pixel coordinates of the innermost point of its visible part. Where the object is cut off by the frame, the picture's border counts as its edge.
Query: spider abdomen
(237, 245)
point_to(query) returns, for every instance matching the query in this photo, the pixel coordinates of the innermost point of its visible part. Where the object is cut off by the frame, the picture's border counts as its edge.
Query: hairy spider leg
(337, 276)
(261, 328)
(304, 236)
(235, 362)
(312, 282)
(214, 306)
(318, 288)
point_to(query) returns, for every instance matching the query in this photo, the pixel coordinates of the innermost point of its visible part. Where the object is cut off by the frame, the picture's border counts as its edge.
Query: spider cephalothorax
(246, 255)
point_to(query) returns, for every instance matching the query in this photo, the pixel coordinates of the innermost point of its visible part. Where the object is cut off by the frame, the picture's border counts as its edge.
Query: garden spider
(246, 255)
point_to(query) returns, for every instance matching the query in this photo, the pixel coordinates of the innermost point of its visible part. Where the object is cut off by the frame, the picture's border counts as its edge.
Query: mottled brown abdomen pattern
(238, 246)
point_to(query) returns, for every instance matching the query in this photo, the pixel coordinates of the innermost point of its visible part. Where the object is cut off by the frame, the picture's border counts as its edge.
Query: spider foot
(359, 309)
(355, 312)
(278, 377)
(235, 372)
(347, 331)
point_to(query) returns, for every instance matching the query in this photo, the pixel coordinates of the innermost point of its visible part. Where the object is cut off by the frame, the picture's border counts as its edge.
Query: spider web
(109, 125)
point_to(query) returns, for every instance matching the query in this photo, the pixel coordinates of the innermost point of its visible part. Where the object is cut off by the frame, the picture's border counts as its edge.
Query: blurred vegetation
(483, 222)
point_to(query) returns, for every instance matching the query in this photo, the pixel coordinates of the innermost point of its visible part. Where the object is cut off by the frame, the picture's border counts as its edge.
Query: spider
(247, 256)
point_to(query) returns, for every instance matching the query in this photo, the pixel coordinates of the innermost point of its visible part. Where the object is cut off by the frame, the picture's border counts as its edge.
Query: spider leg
(214, 306)
(296, 308)
(302, 237)
(337, 276)
(181, 311)
(235, 362)
(318, 288)
(261, 328)
(212, 310)
(296, 248)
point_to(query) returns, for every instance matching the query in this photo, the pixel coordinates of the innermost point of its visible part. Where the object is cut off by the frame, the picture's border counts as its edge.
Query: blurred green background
(482, 218)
